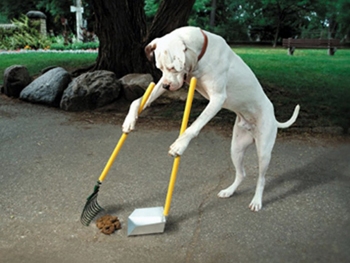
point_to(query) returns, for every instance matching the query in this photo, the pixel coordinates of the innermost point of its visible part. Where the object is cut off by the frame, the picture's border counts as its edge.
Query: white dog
(227, 82)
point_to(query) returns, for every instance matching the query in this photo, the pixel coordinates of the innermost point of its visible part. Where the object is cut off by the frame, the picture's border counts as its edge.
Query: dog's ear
(150, 48)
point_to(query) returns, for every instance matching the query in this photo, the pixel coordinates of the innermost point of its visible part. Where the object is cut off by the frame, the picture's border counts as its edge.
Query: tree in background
(235, 20)
(228, 18)
(272, 20)
(124, 27)
(14, 9)
(334, 16)
(284, 14)
(123, 33)
(55, 10)
(290, 18)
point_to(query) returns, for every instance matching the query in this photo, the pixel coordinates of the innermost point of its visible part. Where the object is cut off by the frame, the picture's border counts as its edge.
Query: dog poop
(108, 224)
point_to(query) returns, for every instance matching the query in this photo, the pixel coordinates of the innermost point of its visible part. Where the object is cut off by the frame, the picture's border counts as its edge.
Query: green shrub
(74, 46)
(26, 36)
(22, 36)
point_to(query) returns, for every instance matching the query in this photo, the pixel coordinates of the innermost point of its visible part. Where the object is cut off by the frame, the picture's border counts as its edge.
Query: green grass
(318, 82)
(35, 62)
(301, 71)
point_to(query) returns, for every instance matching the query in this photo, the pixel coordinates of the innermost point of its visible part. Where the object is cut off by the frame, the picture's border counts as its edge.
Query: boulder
(48, 88)
(90, 91)
(44, 70)
(16, 78)
(134, 85)
(36, 15)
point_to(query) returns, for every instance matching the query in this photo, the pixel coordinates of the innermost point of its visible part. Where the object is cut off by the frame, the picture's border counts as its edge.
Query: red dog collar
(205, 44)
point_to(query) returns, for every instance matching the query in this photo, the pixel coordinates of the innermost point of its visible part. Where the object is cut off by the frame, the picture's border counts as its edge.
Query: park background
(266, 21)
(120, 30)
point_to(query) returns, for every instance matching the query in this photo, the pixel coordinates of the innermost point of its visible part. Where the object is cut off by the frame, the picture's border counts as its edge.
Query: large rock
(90, 91)
(134, 85)
(16, 78)
(48, 88)
(36, 14)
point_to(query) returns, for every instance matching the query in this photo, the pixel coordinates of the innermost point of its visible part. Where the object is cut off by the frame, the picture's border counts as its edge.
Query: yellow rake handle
(124, 136)
(177, 158)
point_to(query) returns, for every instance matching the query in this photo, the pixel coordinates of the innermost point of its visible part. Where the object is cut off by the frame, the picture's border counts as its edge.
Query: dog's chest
(203, 92)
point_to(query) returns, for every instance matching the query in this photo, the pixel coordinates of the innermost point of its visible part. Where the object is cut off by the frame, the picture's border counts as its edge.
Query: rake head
(91, 208)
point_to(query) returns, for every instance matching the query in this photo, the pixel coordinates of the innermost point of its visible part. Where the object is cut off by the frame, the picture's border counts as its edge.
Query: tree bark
(279, 22)
(278, 29)
(332, 29)
(212, 13)
(170, 15)
(120, 27)
(122, 32)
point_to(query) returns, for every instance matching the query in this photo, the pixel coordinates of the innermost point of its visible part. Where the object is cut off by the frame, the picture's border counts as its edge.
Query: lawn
(318, 82)
(35, 62)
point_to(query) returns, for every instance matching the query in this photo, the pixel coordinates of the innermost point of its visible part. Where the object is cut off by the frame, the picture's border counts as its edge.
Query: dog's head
(170, 55)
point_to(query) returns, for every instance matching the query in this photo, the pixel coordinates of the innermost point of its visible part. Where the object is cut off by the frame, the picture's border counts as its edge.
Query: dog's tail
(288, 123)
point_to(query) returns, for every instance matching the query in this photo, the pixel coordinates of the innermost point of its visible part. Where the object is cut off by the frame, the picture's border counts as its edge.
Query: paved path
(49, 163)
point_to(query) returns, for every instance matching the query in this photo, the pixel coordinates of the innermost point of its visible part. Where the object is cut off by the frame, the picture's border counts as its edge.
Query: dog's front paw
(174, 151)
(129, 124)
(177, 148)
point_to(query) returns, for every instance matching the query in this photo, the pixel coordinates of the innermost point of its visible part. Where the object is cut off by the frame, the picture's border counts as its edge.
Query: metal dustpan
(152, 220)
(146, 221)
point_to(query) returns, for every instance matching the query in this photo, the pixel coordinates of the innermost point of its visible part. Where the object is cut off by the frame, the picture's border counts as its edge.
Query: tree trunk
(332, 29)
(280, 18)
(212, 13)
(170, 15)
(122, 32)
(277, 33)
(120, 27)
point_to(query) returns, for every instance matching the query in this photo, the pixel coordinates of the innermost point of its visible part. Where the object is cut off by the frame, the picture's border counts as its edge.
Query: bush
(22, 36)
(58, 44)
(25, 36)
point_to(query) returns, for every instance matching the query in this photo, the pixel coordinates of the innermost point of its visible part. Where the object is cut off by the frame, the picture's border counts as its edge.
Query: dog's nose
(166, 86)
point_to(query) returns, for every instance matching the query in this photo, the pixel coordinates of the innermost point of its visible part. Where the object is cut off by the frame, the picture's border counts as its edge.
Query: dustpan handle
(124, 135)
(176, 163)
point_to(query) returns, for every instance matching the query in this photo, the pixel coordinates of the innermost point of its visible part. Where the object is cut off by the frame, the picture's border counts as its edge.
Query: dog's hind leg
(264, 145)
(241, 139)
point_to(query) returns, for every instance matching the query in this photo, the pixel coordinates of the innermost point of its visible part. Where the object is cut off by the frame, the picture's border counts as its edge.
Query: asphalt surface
(50, 161)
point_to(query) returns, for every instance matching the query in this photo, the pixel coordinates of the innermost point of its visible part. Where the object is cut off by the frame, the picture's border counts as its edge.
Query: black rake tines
(91, 208)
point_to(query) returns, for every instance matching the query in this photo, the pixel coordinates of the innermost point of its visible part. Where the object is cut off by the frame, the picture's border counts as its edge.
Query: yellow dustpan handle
(124, 136)
(177, 158)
